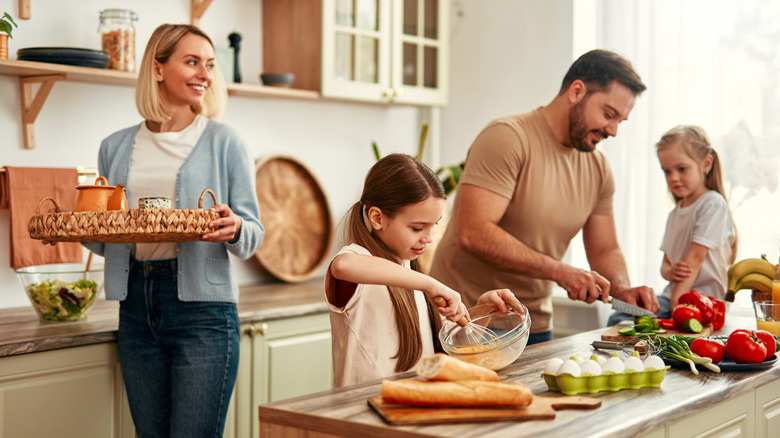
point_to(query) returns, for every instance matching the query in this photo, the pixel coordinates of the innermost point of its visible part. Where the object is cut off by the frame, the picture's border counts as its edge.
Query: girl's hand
(454, 309)
(502, 299)
(228, 226)
(681, 271)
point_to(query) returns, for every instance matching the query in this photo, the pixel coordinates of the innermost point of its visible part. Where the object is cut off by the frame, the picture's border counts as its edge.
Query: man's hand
(641, 296)
(583, 285)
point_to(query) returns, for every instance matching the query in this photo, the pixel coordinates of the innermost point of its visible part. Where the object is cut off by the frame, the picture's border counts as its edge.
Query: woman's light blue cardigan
(219, 161)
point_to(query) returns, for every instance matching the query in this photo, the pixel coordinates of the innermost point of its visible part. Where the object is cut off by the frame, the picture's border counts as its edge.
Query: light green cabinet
(72, 392)
(753, 414)
(280, 359)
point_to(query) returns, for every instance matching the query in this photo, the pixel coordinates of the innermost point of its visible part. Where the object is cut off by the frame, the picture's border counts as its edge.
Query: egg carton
(609, 381)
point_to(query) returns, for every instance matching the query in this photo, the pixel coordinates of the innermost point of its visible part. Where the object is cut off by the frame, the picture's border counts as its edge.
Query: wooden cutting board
(541, 408)
(612, 333)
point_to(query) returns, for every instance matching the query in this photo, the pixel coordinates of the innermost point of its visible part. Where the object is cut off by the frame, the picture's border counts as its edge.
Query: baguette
(465, 393)
(439, 366)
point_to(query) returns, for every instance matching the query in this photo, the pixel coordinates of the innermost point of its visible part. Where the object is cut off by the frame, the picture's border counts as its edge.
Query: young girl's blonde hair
(394, 182)
(160, 47)
(695, 143)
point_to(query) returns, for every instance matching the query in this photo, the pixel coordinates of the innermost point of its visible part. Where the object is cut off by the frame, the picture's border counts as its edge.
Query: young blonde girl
(381, 321)
(700, 240)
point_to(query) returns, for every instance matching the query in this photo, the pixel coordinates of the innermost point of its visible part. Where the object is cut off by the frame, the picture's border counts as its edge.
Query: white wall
(508, 56)
(332, 139)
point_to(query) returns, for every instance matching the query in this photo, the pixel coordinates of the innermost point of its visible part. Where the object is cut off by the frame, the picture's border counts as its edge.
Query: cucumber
(626, 331)
(693, 325)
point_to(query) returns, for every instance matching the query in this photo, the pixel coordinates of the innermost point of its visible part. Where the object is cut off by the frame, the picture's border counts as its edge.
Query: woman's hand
(502, 299)
(228, 226)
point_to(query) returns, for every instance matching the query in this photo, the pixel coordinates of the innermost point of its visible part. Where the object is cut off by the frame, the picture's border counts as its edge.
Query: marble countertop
(21, 331)
(343, 412)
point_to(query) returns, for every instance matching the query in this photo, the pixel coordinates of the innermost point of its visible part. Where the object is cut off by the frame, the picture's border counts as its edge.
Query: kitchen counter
(344, 412)
(22, 332)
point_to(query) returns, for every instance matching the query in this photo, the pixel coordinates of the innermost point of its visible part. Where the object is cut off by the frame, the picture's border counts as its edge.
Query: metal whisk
(478, 338)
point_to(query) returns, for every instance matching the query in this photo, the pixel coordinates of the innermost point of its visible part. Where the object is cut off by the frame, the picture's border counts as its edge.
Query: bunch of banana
(754, 274)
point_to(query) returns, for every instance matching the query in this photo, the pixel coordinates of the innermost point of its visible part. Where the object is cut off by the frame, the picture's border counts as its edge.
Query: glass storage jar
(117, 35)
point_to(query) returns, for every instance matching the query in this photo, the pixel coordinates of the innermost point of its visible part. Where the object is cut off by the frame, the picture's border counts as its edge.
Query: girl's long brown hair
(394, 182)
(696, 145)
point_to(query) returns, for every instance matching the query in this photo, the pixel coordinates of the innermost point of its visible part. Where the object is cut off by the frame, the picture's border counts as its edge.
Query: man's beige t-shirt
(364, 335)
(552, 189)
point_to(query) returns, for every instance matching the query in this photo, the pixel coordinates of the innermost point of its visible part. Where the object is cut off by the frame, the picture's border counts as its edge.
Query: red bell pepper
(720, 313)
(702, 302)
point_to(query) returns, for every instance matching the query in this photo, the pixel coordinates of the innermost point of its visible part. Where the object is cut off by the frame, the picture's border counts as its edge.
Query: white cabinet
(72, 392)
(369, 50)
(768, 410)
(279, 359)
(753, 414)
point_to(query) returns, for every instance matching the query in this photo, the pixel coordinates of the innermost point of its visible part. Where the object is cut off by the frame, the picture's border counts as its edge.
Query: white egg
(654, 362)
(579, 360)
(600, 359)
(591, 367)
(553, 365)
(633, 363)
(570, 367)
(614, 364)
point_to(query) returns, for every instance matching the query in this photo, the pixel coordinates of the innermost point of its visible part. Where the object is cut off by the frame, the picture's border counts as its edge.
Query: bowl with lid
(492, 339)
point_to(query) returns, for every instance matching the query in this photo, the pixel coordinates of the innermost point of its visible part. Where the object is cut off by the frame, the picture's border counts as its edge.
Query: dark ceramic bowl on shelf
(277, 79)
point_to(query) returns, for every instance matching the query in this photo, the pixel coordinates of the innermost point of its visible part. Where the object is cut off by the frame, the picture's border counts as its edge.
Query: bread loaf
(442, 367)
(466, 393)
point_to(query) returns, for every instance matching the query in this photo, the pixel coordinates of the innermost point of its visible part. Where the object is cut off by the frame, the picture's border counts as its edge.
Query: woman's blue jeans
(179, 359)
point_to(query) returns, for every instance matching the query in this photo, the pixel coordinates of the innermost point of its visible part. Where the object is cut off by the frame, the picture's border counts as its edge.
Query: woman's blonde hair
(160, 47)
(394, 182)
(695, 143)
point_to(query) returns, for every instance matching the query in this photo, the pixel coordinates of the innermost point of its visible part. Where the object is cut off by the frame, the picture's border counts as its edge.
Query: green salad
(60, 301)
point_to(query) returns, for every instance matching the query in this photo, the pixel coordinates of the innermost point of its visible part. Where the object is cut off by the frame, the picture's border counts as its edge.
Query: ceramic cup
(150, 203)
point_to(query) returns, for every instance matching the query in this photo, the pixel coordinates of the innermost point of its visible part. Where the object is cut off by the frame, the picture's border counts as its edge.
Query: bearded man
(531, 182)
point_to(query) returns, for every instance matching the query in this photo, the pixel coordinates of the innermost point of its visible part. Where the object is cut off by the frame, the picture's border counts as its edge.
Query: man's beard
(578, 132)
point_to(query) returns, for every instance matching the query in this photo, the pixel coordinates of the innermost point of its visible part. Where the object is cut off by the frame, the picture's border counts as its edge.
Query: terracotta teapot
(100, 197)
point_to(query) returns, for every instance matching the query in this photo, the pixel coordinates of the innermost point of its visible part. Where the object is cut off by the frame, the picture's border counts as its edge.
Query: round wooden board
(295, 214)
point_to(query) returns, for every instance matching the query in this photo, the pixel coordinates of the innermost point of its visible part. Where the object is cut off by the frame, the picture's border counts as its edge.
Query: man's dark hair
(598, 68)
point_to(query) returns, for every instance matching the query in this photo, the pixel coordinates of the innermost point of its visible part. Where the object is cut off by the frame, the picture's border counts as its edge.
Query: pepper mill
(235, 43)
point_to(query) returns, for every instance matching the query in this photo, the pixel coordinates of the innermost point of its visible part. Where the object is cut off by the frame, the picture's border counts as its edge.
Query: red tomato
(684, 312)
(769, 342)
(702, 302)
(666, 323)
(711, 348)
(742, 347)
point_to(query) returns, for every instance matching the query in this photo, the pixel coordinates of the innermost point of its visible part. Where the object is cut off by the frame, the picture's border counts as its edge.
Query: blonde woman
(178, 335)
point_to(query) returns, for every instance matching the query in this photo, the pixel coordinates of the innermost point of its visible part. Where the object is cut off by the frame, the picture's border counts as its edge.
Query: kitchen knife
(622, 306)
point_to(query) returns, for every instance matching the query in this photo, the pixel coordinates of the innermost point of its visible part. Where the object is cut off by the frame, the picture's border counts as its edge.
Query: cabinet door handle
(388, 94)
(398, 93)
(256, 329)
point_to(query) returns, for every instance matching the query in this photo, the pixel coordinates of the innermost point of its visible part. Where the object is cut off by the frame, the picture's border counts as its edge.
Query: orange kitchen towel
(23, 189)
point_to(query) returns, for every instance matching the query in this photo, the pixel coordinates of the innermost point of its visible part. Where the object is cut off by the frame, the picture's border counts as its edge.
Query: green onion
(678, 347)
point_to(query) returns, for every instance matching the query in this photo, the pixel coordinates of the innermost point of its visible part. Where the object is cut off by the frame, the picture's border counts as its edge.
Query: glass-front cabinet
(386, 50)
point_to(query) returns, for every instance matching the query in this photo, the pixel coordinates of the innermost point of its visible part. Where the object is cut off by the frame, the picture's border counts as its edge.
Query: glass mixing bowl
(61, 292)
(475, 342)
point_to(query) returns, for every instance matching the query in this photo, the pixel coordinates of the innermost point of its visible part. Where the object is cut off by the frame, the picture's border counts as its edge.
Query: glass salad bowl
(61, 292)
(493, 339)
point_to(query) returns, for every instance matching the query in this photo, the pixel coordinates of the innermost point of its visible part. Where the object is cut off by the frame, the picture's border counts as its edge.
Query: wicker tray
(123, 226)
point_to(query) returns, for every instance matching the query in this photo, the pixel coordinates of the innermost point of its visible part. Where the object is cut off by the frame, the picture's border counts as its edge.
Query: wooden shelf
(30, 73)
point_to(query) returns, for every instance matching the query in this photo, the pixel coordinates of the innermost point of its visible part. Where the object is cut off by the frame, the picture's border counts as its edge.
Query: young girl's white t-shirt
(364, 334)
(707, 222)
